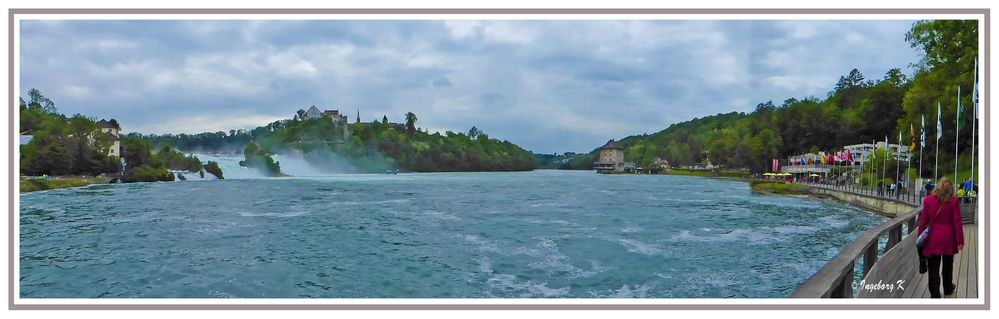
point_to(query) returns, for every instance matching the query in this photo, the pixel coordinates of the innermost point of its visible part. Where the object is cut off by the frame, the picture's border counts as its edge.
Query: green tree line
(62, 145)
(77, 145)
(857, 110)
(370, 147)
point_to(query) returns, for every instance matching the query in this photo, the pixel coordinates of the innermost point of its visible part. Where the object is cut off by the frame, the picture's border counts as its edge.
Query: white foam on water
(285, 214)
(485, 265)
(683, 200)
(631, 229)
(638, 247)
(595, 268)
(482, 245)
(525, 289)
(439, 215)
(551, 258)
(795, 229)
(627, 291)
(833, 222)
(751, 236)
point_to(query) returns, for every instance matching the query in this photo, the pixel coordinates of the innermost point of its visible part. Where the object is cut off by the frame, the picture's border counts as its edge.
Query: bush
(779, 188)
(213, 168)
(258, 159)
(146, 173)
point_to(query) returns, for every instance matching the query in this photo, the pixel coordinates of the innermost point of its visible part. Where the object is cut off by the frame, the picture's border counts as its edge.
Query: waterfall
(229, 163)
(293, 164)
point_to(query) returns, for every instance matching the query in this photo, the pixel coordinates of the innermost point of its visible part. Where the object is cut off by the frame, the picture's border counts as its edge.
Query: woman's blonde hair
(944, 190)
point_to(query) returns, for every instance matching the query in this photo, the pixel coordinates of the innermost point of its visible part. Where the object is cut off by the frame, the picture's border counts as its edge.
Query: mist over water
(294, 164)
(541, 234)
(229, 163)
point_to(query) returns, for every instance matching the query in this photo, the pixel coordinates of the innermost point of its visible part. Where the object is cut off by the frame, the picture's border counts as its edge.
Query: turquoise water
(465, 235)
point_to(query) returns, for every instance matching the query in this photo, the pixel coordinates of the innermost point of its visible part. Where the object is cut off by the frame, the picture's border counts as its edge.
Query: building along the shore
(114, 131)
(611, 158)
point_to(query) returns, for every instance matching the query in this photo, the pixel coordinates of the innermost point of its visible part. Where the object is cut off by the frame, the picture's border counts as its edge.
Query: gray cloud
(550, 86)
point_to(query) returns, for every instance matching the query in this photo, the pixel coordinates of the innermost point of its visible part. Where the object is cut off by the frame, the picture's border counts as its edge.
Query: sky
(550, 86)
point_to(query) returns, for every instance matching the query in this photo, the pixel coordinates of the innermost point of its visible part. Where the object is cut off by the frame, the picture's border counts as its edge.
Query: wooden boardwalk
(901, 262)
(965, 271)
(886, 258)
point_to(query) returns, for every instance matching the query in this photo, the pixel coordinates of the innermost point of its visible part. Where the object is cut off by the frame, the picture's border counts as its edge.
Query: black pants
(948, 274)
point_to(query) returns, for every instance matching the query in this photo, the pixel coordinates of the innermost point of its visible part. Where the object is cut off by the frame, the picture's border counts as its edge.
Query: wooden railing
(836, 278)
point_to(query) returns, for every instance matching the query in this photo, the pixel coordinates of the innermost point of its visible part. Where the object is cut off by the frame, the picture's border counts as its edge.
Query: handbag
(925, 235)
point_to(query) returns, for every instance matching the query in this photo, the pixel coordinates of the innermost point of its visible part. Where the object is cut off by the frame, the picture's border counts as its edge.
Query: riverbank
(705, 173)
(780, 188)
(40, 184)
(881, 206)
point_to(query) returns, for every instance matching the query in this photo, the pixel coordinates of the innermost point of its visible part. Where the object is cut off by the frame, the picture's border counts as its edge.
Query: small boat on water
(391, 172)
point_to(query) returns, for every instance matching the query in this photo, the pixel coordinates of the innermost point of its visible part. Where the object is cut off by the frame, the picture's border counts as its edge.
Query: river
(573, 234)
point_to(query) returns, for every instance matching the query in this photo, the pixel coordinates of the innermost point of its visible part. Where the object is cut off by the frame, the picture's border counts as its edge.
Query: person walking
(942, 214)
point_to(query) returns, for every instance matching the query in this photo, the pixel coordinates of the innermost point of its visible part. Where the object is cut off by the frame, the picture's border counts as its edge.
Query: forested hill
(370, 147)
(857, 110)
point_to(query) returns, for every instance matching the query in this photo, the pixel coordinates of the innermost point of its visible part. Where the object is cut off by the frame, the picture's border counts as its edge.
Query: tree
(895, 77)
(384, 119)
(39, 100)
(765, 107)
(473, 132)
(44, 155)
(411, 123)
(854, 79)
(945, 42)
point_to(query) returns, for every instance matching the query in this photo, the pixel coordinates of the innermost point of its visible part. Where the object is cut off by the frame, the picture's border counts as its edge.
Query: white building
(313, 113)
(611, 158)
(334, 115)
(115, 132)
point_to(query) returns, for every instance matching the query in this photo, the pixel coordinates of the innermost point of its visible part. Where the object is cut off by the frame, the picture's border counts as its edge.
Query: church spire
(358, 116)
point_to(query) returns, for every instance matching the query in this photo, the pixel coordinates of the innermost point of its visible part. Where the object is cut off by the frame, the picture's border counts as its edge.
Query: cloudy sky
(549, 86)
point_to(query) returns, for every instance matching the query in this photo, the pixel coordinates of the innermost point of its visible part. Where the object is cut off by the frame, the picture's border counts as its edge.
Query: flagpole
(957, 135)
(884, 164)
(936, 154)
(974, 122)
(908, 158)
(922, 145)
(897, 185)
(874, 165)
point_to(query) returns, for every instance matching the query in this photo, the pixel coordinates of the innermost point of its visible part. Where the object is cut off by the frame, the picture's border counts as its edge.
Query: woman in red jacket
(941, 209)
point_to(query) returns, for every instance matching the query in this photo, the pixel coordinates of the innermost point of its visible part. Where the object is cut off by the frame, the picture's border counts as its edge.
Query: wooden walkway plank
(971, 247)
(913, 285)
(960, 275)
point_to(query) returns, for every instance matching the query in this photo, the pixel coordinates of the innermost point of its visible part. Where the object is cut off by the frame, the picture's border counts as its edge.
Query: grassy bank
(684, 172)
(779, 188)
(40, 184)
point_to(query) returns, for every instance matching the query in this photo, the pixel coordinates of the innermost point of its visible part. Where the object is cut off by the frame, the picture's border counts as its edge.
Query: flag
(939, 126)
(887, 149)
(957, 127)
(922, 132)
(912, 138)
(975, 89)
